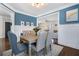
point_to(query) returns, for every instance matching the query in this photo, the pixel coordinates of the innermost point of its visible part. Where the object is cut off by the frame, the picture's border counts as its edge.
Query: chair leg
(36, 53)
(48, 49)
(44, 52)
(51, 49)
(41, 53)
(26, 52)
(12, 54)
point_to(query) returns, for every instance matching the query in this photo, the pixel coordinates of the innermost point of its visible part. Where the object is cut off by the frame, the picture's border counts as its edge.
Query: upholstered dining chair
(49, 41)
(40, 44)
(16, 48)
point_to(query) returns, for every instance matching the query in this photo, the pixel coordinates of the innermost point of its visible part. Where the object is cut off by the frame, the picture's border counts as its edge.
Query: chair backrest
(13, 41)
(49, 38)
(41, 40)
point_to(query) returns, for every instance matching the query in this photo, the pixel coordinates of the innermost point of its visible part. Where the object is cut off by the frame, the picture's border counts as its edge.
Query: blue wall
(62, 14)
(26, 18)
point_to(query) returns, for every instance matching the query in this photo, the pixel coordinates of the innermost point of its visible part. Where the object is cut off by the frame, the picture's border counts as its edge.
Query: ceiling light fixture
(37, 4)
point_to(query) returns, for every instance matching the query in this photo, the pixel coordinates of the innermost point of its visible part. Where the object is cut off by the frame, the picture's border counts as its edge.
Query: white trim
(6, 7)
(25, 13)
(56, 9)
(19, 11)
(51, 11)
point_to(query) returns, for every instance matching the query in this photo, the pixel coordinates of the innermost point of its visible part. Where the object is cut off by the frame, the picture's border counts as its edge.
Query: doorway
(5, 26)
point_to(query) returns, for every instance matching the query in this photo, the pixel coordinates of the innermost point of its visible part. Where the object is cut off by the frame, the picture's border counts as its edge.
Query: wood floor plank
(67, 51)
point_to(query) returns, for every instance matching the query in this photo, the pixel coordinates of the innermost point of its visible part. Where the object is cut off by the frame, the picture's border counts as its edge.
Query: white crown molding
(25, 13)
(55, 10)
(41, 15)
(18, 10)
(7, 6)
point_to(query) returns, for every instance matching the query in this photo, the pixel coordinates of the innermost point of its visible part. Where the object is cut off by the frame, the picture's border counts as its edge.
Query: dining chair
(16, 48)
(40, 44)
(49, 41)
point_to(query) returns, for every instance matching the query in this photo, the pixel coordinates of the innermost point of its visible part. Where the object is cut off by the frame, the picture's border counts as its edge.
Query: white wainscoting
(68, 35)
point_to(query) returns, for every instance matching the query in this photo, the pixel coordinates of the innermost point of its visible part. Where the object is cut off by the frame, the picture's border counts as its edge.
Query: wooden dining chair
(40, 44)
(16, 48)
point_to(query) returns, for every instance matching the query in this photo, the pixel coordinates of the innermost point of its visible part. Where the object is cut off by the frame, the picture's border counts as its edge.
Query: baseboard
(67, 46)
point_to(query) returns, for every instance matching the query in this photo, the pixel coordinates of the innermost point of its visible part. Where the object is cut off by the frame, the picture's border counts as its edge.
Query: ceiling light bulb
(37, 4)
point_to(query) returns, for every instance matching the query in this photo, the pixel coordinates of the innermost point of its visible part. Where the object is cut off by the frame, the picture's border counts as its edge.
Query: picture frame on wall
(27, 23)
(72, 15)
(22, 23)
(32, 24)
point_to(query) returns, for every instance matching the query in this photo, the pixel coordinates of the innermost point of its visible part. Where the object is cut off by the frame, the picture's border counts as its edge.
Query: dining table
(29, 38)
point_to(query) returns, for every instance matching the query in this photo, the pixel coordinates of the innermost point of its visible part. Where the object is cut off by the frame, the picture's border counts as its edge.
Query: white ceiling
(27, 8)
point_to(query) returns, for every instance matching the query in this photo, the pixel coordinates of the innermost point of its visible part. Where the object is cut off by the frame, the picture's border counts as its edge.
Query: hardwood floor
(67, 51)
(7, 45)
